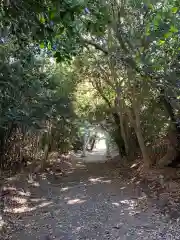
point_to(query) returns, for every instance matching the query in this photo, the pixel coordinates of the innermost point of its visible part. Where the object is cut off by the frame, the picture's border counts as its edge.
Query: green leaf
(42, 45)
(173, 29)
(42, 19)
(150, 6)
(161, 42)
(147, 31)
(174, 9)
(168, 34)
(49, 46)
(156, 23)
(52, 14)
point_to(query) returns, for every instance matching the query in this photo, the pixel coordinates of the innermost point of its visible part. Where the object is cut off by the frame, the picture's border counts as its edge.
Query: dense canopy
(112, 63)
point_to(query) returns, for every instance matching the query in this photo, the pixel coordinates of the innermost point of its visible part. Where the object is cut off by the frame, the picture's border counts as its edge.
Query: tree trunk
(46, 147)
(135, 118)
(170, 111)
(121, 145)
(93, 144)
(123, 133)
(136, 124)
(85, 143)
(174, 150)
(168, 158)
(140, 137)
(142, 147)
(118, 104)
(107, 141)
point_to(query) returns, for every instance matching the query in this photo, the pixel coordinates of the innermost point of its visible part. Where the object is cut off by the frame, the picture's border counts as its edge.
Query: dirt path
(87, 204)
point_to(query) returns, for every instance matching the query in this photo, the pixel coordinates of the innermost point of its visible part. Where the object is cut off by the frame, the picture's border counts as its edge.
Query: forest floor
(93, 201)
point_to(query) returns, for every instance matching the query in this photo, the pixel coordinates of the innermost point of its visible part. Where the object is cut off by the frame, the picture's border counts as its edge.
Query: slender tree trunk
(140, 138)
(107, 145)
(135, 118)
(93, 142)
(138, 131)
(118, 129)
(47, 146)
(142, 147)
(85, 142)
(123, 133)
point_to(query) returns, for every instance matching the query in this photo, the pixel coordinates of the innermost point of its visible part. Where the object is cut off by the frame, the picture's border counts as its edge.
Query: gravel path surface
(87, 204)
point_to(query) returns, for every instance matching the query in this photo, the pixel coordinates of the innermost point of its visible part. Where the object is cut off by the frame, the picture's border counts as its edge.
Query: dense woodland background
(112, 63)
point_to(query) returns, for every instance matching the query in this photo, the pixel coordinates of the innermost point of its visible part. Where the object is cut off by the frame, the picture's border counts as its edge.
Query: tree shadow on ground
(89, 203)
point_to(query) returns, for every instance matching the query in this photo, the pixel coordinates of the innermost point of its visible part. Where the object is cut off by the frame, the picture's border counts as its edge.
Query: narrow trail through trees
(89, 203)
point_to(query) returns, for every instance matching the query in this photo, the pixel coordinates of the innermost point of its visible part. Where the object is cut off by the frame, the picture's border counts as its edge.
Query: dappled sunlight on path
(89, 203)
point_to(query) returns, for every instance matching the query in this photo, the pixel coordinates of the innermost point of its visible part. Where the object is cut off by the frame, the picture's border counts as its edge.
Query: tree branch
(98, 88)
(97, 46)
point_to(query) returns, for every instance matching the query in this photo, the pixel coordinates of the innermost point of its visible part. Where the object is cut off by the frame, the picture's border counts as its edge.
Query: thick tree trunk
(171, 158)
(168, 158)
(170, 111)
(173, 152)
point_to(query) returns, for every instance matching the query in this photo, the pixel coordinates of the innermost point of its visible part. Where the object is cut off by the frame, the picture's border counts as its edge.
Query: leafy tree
(137, 44)
(36, 99)
(126, 52)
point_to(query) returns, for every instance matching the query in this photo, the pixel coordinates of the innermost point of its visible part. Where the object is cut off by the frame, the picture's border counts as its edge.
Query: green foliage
(36, 98)
(112, 58)
(56, 26)
(137, 52)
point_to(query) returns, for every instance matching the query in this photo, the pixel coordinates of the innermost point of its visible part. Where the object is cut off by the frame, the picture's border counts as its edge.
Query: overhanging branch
(96, 45)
